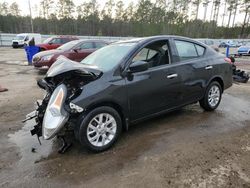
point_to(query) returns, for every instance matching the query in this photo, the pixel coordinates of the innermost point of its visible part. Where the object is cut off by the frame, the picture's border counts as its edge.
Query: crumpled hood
(63, 65)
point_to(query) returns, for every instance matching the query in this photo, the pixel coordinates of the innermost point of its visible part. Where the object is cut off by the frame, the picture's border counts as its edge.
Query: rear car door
(194, 69)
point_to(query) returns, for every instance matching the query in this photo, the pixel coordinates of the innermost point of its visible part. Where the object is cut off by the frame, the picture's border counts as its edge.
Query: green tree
(119, 10)
(14, 9)
(66, 8)
(245, 8)
(216, 6)
(4, 10)
(235, 10)
(129, 12)
(196, 4)
(144, 10)
(230, 9)
(46, 8)
(205, 5)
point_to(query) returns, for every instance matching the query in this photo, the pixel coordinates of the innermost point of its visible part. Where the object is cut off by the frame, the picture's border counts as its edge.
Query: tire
(212, 97)
(102, 138)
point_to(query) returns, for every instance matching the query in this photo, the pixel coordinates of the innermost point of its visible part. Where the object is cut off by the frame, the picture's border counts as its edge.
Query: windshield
(46, 41)
(68, 45)
(109, 56)
(20, 37)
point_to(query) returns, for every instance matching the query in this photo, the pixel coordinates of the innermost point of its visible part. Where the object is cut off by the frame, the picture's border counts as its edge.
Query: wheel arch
(115, 106)
(219, 80)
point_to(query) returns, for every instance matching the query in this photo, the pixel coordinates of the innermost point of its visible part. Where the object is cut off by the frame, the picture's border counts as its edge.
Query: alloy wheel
(101, 129)
(214, 96)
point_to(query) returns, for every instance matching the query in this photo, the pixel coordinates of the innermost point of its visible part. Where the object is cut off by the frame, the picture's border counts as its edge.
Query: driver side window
(156, 54)
(55, 41)
(144, 55)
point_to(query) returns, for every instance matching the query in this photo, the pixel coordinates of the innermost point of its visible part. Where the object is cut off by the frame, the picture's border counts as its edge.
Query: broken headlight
(55, 116)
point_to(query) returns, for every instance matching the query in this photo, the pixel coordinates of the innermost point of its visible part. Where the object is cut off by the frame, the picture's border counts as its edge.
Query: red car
(55, 42)
(75, 50)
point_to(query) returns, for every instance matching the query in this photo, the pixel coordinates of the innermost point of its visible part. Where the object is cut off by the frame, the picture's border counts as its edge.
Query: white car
(23, 39)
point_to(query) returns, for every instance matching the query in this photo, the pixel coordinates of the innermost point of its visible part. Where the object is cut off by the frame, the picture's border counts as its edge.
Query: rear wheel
(212, 97)
(100, 129)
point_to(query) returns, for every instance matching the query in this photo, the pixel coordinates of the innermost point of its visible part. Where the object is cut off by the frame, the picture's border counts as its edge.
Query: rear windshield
(46, 41)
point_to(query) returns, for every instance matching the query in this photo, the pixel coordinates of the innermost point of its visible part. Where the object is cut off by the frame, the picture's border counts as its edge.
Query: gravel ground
(185, 148)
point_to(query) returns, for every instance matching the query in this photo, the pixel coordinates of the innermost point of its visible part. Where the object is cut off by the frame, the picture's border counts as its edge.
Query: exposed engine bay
(55, 115)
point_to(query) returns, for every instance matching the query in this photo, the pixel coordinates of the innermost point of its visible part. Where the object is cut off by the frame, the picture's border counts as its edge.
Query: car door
(83, 50)
(194, 69)
(157, 89)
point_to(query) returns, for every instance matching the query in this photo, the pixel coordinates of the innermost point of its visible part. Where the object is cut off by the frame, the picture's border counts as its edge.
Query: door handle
(172, 76)
(209, 67)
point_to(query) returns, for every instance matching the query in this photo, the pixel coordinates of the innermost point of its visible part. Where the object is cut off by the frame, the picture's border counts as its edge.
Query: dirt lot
(186, 148)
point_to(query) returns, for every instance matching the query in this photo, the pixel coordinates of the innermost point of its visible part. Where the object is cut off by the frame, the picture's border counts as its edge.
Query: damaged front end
(55, 114)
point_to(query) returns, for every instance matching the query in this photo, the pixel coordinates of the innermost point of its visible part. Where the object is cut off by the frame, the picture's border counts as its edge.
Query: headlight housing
(47, 57)
(55, 116)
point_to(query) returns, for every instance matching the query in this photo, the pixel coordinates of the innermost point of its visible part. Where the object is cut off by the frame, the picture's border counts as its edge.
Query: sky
(24, 7)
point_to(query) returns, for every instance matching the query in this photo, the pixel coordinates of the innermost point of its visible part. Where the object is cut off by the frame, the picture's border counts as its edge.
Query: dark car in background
(75, 50)
(127, 82)
(55, 42)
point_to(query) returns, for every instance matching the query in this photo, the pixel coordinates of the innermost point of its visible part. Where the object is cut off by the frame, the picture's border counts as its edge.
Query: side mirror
(138, 66)
(50, 43)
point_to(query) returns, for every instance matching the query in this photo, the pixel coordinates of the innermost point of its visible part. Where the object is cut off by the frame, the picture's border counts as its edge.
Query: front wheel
(212, 97)
(100, 129)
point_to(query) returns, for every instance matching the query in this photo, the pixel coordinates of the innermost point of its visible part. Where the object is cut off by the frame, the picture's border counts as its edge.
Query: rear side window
(99, 44)
(63, 41)
(56, 41)
(188, 50)
(200, 50)
(86, 45)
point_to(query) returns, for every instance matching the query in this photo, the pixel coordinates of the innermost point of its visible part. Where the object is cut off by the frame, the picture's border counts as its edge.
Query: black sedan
(127, 82)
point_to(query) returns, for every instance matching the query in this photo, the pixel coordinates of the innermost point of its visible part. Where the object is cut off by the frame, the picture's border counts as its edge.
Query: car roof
(158, 37)
(65, 36)
(142, 39)
(92, 40)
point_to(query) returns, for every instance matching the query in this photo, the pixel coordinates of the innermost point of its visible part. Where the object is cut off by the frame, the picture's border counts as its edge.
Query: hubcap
(101, 129)
(214, 96)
